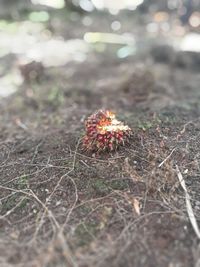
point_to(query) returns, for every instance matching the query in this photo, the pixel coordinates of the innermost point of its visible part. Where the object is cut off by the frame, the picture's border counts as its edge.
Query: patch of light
(115, 126)
(86, 5)
(41, 16)
(21, 39)
(173, 4)
(6, 91)
(95, 37)
(152, 27)
(165, 27)
(99, 4)
(3, 24)
(111, 124)
(191, 42)
(10, 83)
(161, 16)
(115, 25)
(4, 51)
(56, 52)
(117, 5)
(58, 4)
(194, 19)
(87, 21)
(126, 51)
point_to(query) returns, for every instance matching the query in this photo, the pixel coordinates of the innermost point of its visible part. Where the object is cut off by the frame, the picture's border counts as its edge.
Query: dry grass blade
(160, 165)
(188, 204)
(136, 206)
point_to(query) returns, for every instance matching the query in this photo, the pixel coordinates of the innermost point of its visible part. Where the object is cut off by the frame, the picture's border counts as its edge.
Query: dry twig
(188, 204)
(160, 165)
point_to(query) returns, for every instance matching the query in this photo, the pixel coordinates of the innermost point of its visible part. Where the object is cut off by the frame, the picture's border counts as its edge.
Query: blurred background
(37, 36)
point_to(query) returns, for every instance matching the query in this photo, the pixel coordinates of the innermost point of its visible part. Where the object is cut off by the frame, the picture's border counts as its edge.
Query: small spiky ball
(104, 132)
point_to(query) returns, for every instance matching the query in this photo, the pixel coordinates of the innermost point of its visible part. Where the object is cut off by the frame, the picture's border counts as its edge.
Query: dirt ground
(61, 206)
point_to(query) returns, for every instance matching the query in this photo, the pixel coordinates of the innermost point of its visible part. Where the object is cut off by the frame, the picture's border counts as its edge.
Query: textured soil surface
(61, 206)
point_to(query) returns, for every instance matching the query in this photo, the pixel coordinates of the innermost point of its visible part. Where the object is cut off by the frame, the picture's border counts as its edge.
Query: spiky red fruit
(104, 132)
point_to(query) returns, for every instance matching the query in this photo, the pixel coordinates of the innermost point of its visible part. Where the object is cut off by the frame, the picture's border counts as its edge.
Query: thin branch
(190, 212)
(160, 165)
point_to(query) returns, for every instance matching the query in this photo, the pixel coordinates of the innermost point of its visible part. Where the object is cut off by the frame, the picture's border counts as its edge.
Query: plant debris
(105, 132)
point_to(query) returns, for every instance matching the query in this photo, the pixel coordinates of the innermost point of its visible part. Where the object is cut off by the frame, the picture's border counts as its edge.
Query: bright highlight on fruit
(104, 132)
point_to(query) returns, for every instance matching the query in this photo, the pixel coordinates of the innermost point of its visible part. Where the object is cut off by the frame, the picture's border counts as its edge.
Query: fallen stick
(190, 212)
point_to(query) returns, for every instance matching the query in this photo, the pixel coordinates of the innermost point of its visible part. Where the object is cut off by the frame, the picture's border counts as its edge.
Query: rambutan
(104, 132)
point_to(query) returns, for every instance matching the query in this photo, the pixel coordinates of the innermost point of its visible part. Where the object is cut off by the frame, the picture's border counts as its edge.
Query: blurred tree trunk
(11, 8)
